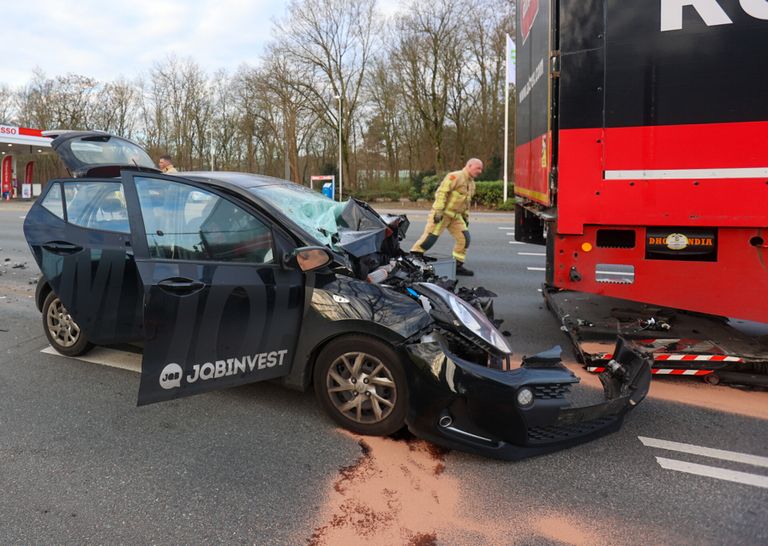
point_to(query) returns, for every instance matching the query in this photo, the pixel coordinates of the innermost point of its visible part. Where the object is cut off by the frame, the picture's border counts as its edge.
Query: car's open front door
(219, 310)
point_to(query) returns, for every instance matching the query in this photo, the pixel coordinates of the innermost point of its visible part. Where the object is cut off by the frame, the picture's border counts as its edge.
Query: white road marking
(536, 268)
(506, 228)
(714, 472)
(510, 233)
(22, 217)
(538, 290)
(733, 456)
(516, 243)
(106, 357)
(531, 254)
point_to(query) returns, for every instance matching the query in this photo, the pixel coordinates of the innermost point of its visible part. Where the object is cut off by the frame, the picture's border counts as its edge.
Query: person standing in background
(166, 165)
(451, 211)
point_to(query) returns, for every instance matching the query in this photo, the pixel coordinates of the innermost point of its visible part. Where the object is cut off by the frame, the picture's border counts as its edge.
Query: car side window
(183, 222)
(52, 201)
(97, 205)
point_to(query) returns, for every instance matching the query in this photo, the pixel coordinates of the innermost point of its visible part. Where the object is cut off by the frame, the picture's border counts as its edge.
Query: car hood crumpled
(361, 231)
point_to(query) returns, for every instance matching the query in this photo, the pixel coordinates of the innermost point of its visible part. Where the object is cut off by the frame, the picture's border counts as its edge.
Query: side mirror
(309, 258)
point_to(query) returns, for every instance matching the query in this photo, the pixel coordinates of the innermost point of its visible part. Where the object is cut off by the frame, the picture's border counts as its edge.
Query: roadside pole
(506, 138)
(510, 79)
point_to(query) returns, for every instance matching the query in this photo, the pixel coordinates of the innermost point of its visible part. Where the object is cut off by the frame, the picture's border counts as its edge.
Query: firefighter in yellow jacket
(451, 211)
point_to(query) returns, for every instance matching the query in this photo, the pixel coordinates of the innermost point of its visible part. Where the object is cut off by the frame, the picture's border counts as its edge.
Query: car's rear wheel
(360, 382)
(62, 331)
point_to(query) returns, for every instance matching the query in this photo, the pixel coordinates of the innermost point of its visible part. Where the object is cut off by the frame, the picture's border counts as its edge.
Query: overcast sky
(108, 39)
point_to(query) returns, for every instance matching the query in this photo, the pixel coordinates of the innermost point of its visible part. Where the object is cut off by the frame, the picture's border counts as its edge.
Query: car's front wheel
(62, 331)
(360, 382)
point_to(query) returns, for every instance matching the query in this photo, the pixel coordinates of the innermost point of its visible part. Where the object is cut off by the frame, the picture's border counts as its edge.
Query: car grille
(555, 433)
(551, 391)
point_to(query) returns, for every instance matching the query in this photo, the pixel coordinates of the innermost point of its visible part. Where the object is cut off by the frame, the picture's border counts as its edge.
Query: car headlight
(472, 319)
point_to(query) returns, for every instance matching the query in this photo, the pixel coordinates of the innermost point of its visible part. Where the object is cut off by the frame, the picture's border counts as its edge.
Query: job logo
(170, 377)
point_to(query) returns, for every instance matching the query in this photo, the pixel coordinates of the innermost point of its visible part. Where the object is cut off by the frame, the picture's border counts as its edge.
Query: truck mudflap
(519, 413)
(676, 342)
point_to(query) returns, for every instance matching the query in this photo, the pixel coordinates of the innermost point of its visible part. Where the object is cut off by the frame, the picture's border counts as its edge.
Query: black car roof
(243, 180)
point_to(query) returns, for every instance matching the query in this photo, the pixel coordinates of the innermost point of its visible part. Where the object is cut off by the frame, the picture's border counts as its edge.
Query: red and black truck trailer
(641, 162)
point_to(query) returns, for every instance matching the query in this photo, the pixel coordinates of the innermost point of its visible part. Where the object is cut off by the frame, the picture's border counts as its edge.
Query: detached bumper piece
(516, 414)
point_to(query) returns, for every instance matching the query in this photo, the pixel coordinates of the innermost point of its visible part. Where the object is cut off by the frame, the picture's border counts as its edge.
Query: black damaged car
(230, 278)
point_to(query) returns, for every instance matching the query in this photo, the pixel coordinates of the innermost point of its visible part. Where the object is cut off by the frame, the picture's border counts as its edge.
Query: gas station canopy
(23, 140)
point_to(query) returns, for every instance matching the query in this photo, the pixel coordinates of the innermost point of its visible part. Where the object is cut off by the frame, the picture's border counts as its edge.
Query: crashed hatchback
(230, 278)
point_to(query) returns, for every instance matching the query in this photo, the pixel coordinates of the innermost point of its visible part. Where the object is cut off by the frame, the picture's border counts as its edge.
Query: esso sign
(8, 130)
(710, 11)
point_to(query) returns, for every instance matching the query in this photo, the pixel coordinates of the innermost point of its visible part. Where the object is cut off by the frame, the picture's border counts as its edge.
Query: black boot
(461, 270)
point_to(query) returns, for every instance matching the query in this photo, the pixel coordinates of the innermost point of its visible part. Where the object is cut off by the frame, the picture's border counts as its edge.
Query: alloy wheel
(361, 387)
(63, 329)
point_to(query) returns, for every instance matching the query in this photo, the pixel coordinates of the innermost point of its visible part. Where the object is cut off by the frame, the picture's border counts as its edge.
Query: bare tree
(421, 92)
(427, 57)
(116, 107)
(7, 104)
(61, 102)
(331, 41)
(178, 104)
(487, 65)
(386, 129)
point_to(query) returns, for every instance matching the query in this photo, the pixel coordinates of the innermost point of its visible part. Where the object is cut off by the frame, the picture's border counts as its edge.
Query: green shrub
(417, 184)
(430, 184)
(489, 194)
(388, 189)
(509, 205)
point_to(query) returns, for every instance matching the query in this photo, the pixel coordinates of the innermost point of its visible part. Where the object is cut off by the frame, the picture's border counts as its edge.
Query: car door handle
(180, 285)
(61, 247)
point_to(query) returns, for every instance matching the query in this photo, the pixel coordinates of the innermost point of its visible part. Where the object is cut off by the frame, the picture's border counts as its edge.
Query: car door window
(52, 201)
(96, 205)
(183, 222)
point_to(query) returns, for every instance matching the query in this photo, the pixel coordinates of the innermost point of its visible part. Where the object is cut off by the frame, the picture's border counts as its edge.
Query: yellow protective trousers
(455, 226)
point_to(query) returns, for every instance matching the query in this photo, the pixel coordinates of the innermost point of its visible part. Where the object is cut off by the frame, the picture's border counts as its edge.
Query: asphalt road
(80, 463)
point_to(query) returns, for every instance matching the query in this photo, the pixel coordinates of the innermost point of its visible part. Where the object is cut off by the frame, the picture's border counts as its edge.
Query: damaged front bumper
(519, 413)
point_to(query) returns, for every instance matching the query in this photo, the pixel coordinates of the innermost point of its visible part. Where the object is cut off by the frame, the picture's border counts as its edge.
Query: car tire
(62, 331)
(361, 384)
